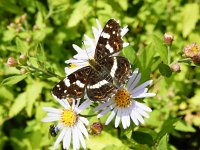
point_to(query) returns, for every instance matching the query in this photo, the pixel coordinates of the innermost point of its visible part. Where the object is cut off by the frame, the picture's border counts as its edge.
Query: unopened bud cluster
(168, 38)
(96, 128)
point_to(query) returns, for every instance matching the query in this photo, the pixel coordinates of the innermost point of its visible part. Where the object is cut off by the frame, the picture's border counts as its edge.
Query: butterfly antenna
(85, 49)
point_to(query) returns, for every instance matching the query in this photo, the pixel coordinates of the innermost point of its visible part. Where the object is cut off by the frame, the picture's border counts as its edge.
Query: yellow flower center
(72, 66)
(122, 98)
(69, 117)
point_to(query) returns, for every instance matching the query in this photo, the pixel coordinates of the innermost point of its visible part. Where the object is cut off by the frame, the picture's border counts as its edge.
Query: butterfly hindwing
(73, 85)
(99, 88)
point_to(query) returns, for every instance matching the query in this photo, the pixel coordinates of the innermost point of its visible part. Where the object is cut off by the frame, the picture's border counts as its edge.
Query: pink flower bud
(23, 71)
(168, 38)
(176, 67)
(191, 50)
(24, 17)
(11, 62)
(96, 128)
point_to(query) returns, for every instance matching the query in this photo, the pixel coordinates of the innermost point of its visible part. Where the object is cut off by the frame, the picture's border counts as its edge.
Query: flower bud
(24, 17)
(22, 59)
(18, 20)
(29, 39)
(23, 71)
(11, 62)
(176, 67)
(96, 128)
(12, 25)
(196, 59)
(35, 27)
(18, 30)
(168, 38)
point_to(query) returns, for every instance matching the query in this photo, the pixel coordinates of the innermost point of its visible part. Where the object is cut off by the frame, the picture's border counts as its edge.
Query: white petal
(54, 114)
(118, 117)
(132, 115)
(50, 119)
(62, 102)
(143, 113)
(52, 110)
(124, 31)
(132, 78)
(81, 138)
(84, 120)
(99, 25)
(90, 42)
(76, 143)
(138, 116)
(143, 95)
(77, 103)
(112, 115)
(96, 33)
(135, 82)
(139, 92)
(67, 139)
(83, 129)
(77, 48)
(60, 138)
(142, 86)
(84, 105)
(73, 104)
(123, 118)
(125, 44)
(103, 112)
(142, 106)
(105, 104)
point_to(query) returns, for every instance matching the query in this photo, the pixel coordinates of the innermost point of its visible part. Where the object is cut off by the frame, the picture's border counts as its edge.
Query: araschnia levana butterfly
(100, 78)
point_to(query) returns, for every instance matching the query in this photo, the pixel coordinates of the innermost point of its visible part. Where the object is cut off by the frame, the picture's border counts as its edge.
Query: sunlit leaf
(14, 79)
(165, 70)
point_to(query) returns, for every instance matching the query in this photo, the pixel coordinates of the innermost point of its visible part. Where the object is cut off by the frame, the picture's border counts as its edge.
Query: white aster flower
(123, 104)
(70, 123)
(81, 59)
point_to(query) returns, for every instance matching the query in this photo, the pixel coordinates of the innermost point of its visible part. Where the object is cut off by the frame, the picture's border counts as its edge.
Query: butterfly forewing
(73, 85)
(110, 40)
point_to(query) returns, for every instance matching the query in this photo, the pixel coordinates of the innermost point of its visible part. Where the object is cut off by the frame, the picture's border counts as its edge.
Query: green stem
(47, 72)
(87, 115)
(168, 51)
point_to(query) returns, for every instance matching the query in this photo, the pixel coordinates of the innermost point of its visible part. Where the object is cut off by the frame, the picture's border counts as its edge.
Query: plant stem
(47, 72)
(168, 51)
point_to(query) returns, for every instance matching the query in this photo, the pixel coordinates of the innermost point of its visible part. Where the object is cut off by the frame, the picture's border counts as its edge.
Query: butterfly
(104, 73)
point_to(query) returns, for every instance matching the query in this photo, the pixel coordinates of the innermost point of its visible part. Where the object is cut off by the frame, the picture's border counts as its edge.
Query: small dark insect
(53, 131)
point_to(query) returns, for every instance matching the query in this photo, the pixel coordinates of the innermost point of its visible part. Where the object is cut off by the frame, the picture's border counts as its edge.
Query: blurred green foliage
(44, 32)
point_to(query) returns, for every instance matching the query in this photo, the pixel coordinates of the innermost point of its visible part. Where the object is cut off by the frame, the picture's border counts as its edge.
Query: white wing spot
(67, 82)
(65, 91)
(58, 85)
(113, 32)
(114, 68)
(109, 48)
(105, 35)
(80, 84)
(99, 84)
(107, 25)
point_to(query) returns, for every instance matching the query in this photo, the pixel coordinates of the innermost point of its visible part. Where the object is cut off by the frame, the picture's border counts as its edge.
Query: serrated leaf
(142, 138)
(185, 127)
(190, 18)
(165, 70)
(21, 46)
(167, 127)
(35, 88)
(18, 105)
(159, 47)
(13, 79)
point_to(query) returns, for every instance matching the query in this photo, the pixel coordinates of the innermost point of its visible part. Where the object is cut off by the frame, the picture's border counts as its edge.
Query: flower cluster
(122, 105)
(192, 51)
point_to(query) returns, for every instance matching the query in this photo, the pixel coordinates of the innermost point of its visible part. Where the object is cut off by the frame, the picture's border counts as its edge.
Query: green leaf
(165, 70)
(167, 127)
(190, 18)
(14, 79)
(129, 53)
(18, 105)
(163, 143)
(82, 9)
(159, 47)
(185, 127)
(21, 46)
(142, 138)
(35, 88)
